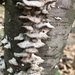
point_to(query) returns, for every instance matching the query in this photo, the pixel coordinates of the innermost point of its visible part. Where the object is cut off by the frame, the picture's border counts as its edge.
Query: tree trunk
(53, 50)
(12, 28)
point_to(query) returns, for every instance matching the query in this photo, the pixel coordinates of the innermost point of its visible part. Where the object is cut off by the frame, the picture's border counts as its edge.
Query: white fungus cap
(13, 61)
(36, 59)
(36, 67)
(4, 41)
(53, 4)
(38, 44)
(44, 25)
(33, 60)
(2, 66)
(21, 54)
(19, 37)
(40, 35)
(31, 50)
(45, 11)
(47, 1)
(8, 45)
(33, 19)
(25, 44)
(10, 70)
(33, 3)
(29, 28)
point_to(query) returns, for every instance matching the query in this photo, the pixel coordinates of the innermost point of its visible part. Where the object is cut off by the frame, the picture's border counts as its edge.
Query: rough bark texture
(59, 35)
(53, 49)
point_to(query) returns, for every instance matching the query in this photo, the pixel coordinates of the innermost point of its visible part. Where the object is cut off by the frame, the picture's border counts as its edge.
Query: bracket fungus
(38, 44)
(33, 72)
(25, 44)
(31, 50)
(33, 3)
(36, 67)
(19, 37)
(33, 59)
(21, 54)
(2, 64)
(4, 41)
(32, 19)
(50, 1)
(10, 70)
(53, 4)
(37, 26)
(37, 12)
(36, 59)
(26, 60)
(7, 46)
(45, 11)
(20, 5)
(13, 61)
(44, 25)
(29, 28)
(40, 35)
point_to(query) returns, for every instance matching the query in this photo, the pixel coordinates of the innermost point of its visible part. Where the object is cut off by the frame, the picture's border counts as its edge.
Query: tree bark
(12, 28)
(53, 50)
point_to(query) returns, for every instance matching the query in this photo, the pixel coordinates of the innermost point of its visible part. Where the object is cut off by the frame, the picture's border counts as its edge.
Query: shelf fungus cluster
(36, 26)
